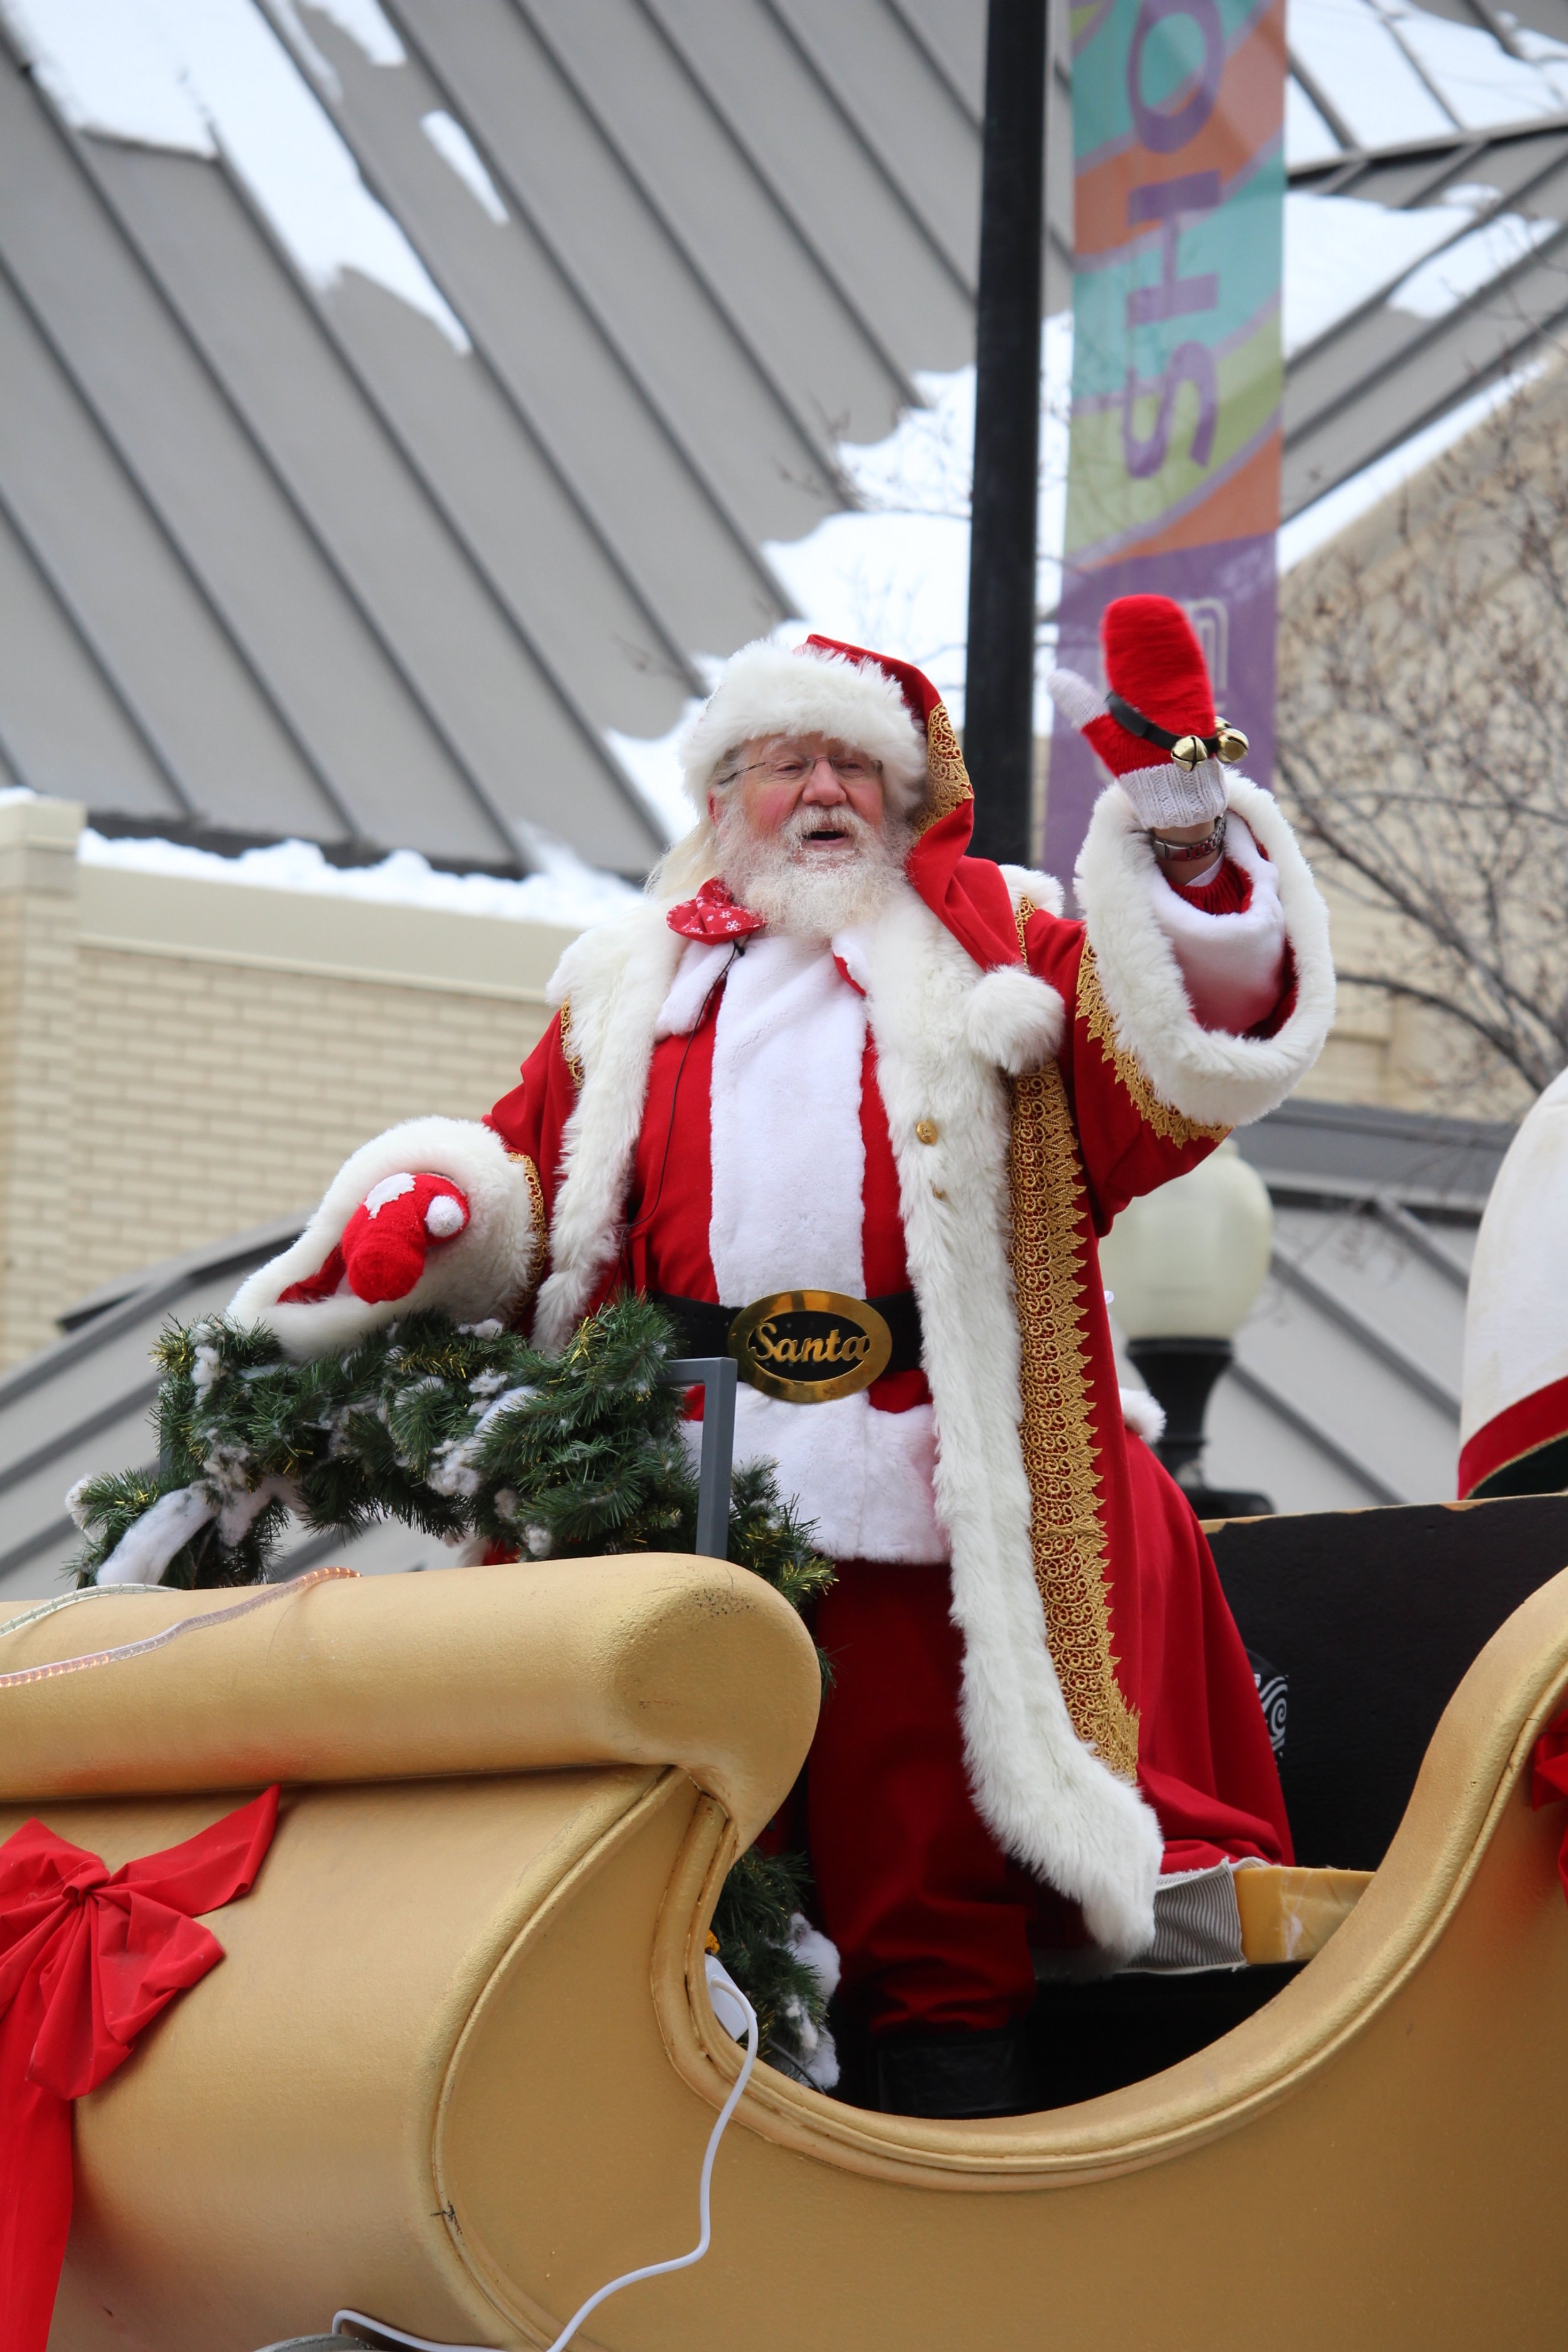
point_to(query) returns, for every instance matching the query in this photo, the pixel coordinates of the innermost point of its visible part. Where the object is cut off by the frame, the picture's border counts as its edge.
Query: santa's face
(804, 836)
(818, 794)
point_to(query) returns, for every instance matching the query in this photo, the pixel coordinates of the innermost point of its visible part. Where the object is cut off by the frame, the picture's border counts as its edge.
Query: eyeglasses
(793, 767)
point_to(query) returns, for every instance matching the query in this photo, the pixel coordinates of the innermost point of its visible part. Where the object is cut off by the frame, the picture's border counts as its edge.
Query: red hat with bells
(890, 710)
(1156, 728)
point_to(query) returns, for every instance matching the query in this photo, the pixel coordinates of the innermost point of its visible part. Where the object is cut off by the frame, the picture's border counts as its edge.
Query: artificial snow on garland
(468, 1432)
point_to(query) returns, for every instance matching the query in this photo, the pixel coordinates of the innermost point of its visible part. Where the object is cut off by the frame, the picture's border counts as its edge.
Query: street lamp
(1185, 1265)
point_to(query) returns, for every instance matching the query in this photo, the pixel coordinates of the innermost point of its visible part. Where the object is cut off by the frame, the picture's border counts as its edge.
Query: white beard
(812, 894)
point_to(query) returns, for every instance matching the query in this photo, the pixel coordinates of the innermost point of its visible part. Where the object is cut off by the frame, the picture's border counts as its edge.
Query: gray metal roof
(1345, 1389)
(377, 551)
(1380, 373)
(278, 556)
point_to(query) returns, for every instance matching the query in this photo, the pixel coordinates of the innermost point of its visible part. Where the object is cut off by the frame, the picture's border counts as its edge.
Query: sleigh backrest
(1373, 1618)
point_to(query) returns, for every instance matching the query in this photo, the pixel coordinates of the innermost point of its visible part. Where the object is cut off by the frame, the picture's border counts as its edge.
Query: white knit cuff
(1168, 795)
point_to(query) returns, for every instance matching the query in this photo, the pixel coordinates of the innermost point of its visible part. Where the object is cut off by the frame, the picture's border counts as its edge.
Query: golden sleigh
(459, 2065)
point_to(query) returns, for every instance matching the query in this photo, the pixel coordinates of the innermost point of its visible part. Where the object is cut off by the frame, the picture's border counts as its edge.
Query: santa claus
(855, 1106)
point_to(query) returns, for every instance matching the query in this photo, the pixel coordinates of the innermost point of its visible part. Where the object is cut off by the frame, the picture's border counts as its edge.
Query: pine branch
(467, 1432)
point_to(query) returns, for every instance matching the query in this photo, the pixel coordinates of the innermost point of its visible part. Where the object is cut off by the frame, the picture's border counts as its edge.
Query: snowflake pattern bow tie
(714, 915)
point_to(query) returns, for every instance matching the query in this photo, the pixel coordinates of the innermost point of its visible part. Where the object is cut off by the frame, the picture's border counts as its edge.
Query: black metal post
(999, 688)
(1181, 1374)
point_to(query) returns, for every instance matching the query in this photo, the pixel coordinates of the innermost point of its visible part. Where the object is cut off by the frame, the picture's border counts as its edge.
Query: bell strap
(1126, 715)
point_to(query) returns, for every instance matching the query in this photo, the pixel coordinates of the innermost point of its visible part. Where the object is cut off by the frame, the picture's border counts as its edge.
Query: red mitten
(385, 1240)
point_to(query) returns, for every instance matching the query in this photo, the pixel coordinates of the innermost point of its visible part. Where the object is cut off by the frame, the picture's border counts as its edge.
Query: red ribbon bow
(713, 915)
(1548, 1780)
(86, 1961)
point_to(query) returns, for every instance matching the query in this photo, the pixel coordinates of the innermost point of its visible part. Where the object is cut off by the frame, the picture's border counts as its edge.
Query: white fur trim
(1042, 890)
(484, 1271)
(1049, 1800)
(788, 1162)
(1204, 1074)
(1142, 1415)
(1013, 1020)
(1079, 702)
(699, 968)
(1230, 963)
(617, 977)
(766, 690)
(787, 1053)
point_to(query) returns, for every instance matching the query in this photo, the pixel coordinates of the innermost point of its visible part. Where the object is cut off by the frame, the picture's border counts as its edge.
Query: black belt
(704, 1328)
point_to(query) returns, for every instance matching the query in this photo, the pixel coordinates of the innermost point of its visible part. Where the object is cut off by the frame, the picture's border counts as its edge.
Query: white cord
(732, 2008)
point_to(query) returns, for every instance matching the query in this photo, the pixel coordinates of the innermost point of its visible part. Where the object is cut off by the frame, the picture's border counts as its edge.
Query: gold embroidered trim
(1095, 1013)
(573, 1062)
(949, 785)
(540, 1221)
(1066, 1538)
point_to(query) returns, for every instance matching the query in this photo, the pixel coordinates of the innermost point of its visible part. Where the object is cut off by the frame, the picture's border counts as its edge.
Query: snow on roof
(1317, 525)
(567, 893)
(198, 76)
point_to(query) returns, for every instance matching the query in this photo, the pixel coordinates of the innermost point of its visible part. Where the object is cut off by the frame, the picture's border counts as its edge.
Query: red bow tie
(87, 1959)
(714, 915)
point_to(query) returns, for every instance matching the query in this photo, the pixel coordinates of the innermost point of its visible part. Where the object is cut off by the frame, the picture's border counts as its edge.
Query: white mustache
(806, 822)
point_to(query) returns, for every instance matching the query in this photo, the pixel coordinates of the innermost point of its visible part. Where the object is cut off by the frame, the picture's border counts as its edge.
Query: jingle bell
(1230, 743)
(1187, 750)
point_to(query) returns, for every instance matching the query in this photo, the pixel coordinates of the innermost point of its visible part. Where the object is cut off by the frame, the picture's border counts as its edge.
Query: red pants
(933, 1920)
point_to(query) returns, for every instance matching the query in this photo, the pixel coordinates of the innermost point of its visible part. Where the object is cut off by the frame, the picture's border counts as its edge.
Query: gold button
(927, 1129)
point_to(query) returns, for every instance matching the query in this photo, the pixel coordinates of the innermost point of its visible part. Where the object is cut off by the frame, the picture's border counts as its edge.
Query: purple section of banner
(1228, 592)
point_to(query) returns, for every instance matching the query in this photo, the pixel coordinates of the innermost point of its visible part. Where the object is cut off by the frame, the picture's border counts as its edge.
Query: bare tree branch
(1424, 747)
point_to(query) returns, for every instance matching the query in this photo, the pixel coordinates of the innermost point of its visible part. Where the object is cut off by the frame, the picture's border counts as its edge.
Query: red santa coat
(1024, 1105)
(1080, 1673)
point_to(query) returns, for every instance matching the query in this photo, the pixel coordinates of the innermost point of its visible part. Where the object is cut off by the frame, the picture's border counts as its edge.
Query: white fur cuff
(764, 690)
(484, 1271)
(1207, 1074)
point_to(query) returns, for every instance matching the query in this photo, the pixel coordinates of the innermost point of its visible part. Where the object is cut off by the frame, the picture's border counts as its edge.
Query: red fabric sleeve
(531, 1119)
(1129, 1142)
(1227, 892)
(1205, 1761)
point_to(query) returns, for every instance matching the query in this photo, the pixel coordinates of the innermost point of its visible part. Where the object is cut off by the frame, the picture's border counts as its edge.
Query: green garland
(464, 1431)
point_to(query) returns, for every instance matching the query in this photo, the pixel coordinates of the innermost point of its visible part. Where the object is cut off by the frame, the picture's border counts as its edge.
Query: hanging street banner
(1174, 465)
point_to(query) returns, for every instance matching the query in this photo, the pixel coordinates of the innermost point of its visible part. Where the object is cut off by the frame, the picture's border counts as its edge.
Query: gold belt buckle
(808, 1346)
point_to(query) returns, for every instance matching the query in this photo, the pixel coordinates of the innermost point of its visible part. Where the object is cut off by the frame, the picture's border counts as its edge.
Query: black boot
(956, 2076)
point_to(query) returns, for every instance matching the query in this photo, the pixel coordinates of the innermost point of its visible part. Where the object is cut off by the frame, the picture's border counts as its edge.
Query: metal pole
(718, 1375)
(999, 691)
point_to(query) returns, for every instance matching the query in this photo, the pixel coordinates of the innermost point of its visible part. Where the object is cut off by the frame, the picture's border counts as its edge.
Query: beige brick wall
(215, 1097)
(180, 1059)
